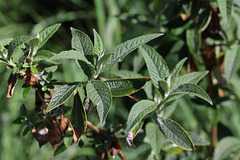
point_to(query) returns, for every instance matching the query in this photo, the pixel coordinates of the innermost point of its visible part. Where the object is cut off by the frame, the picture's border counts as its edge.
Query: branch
(93, 127)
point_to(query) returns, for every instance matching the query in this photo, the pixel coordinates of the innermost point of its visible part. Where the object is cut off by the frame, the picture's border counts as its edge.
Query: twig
(122, 155)
(93, 127)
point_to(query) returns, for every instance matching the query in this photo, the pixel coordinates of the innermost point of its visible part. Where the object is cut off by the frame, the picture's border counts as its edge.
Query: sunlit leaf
(192, 78)
(190, 89)
(47, 33)
(124, 87)
(100, 95)
(139, 111)
(175, 133)
(156, 65)
(175, 72)
(81, 42)
(62, 95)
(125, 48)
(98, 44)
(17, 41)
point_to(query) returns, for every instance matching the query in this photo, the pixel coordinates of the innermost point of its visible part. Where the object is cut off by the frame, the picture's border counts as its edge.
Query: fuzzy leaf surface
(124, 87)
(61, 95)
(98, 44)
(192, 78)
(190, 89)
(47, 33)
(100, 95)
(125, 48)
(81, 42)
(139, 111)
(156, 65)
(175, 133)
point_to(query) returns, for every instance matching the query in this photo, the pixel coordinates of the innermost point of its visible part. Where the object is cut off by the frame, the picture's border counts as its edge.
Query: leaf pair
(173, 87)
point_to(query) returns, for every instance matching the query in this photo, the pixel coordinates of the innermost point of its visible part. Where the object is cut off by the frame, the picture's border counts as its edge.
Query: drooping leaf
(190, 89)
(81, 42)
(175, 133)
(98, 44)
(78, 116)
(100, 95)
(62, 95)
(155, 137)
(193, 39)
(17, 41)
(124, 87)
(125, 48)
(47, 33)
(139, 111)
(175, 72)
(225, 7)
(156, 65)
(225, 146)
(231, 61)
(192, 78)
(12, 81)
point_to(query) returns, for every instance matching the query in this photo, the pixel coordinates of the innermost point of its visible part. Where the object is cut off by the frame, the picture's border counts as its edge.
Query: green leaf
(62, 95)
(175, 72)
(231, 61)
(125, 48)
(156, 65)
(81, 42)
(17, 41)
(175, 133)
(192, 78)
(43, 55)
(225, 7)
(60, 149)
(103, 59)
(225, 146)
(190, 89)
(26, 91)
(98, 44)
(23, 110)
(100, 95)
(193, 39)
(136, 128)
(83, 63)
(125, 87)
(78, 115)
(47, 33)
(71, 54)
(198, 141)
(139, 111)
(164, 85)
(155, 137)
(34, 69)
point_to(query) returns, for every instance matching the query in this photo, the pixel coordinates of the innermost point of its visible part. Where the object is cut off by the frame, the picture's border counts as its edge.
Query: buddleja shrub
(50, 121)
